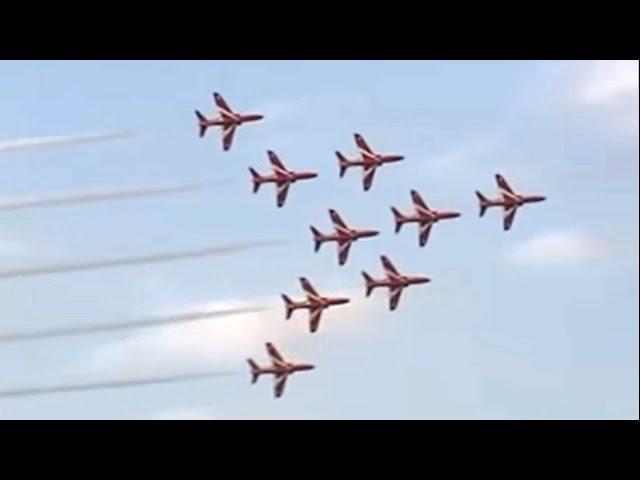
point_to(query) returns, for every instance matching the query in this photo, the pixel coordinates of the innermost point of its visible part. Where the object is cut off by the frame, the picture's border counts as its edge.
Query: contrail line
(141, 323)
(119, 262)
(83, 387)
(99, 196)
(59, 140)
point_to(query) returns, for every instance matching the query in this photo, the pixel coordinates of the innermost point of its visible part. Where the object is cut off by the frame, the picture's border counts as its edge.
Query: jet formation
(343, 235)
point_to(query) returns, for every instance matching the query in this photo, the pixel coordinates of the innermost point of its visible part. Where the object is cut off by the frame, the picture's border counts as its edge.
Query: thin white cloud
(461, 162)
(192, 413)
(606, 82)
(223, 343)
(558, 249)
(59, 141)
(609, 90)
(10, 247)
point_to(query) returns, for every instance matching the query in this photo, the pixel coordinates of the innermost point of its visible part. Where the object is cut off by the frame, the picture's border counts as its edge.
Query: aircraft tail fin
(255, 370)
(288, 305)
(318, 238)
(483, 202)
(369, 282)
(398, 217)
(202, 123)
(256, 178)
(343, 162)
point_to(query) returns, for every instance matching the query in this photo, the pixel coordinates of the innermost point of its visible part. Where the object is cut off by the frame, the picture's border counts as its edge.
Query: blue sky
(539, 322)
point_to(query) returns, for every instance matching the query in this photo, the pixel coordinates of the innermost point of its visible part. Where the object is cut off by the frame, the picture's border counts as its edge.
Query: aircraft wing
(280, 380)
(315, 314)
(283, 189)
(276, 163)
(227, 136)
(394, 297)
(337, 220)
(425, 229)
(365, 149)
(509, 215)
(505, 188)
(418, 202)
(343, 251)
(388, 266)
(368, 172)
(308, 288)
(275, 355)
(223, 106)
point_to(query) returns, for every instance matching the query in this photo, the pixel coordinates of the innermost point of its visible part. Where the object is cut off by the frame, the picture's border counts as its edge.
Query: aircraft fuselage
(351, 235)
(228, 121)
(514, 200)
(431, 216)
(288, 368)
(290, 177)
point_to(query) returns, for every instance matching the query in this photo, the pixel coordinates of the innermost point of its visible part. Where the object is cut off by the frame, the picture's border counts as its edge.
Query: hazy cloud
(606, 82)
(223, 343)
(191, 413)
(558, 248)
(608, 89)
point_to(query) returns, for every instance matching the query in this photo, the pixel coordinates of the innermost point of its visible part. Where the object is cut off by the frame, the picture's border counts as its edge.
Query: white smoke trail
(82, 387)
(129, 325)
(98, 196)
(156, 258)
(60, 141)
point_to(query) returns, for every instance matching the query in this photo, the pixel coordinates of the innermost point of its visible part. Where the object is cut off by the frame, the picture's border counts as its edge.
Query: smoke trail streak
(129, 325)
(99, 196)
(119, 262)
(83, 387)
(59, 141)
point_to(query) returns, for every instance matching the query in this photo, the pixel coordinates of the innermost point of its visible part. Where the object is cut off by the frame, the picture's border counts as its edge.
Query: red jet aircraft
(368, 160)
(509, 201)
(228, 120)
(281, 176)
(424, 216)
(394, 281)
(343, 235)
(280, 369)
(315, 303)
